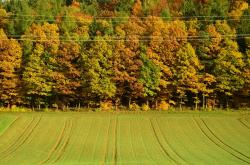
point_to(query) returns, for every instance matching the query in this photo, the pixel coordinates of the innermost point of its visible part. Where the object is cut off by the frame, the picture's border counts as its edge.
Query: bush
(163, 106)
(15, 109)
(145, 107)
(106, 106)
(134, 107)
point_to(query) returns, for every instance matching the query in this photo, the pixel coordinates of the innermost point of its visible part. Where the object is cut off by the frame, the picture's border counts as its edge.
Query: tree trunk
(156, 104)
(181, 105)
(196, 102)
(203, 101)
(129, 102)
(79, 105)
(214, 104)
(227, 103)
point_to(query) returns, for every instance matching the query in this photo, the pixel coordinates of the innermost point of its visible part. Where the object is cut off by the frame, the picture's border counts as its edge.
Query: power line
(143, 36)
(192, 38)
(86, 21)
(99, 17)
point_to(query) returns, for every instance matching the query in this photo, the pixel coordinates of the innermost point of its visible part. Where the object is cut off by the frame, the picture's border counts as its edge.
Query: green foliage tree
(150, 76)
(39, 62)
(228, 70)
(97, 69)
(166, 39)
(246, 74)
(68, 25)
(185, 73)
(22, 18)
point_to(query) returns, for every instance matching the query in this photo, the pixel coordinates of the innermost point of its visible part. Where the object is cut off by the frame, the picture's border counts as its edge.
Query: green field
(125, 138)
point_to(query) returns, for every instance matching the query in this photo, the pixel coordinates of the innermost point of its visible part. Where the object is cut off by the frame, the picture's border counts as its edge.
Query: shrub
(106, 106)
(145, 107)
(163, 106)
(15, 109)
(134, 107)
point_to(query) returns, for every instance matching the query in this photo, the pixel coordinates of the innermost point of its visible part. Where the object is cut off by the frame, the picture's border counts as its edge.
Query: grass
(5, 122)
(125, 138)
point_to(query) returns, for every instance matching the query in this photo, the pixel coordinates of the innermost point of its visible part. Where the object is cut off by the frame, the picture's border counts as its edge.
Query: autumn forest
(130, 53)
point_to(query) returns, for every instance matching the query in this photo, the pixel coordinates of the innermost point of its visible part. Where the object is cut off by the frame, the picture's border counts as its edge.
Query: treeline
(57, 53)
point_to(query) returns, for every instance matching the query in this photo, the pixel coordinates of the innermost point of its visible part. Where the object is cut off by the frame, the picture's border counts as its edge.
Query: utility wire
(98, 17)
(150, 36)
(89, 21)
(118, 39)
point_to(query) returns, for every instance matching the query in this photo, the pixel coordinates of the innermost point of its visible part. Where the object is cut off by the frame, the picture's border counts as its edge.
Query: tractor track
(144, 145)
(222, 141)
(107, 143)
(95, 146)
(165, 139)
(65, 144)
(56, 144)
(86, 138)
(116, 144)
(60, 145)
(160, 143)
(132, 147)
(10, 125)
(21, 139)
(216, 143)
(243, 123)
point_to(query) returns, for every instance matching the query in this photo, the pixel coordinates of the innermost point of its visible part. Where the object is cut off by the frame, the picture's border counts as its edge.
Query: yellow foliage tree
(10, 57)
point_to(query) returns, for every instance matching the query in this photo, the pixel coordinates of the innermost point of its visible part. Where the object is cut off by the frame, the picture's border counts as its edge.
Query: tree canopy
(71, 53)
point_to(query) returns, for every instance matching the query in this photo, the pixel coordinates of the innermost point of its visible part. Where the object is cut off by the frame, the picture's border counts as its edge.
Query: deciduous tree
(10, 57)
(39, 61)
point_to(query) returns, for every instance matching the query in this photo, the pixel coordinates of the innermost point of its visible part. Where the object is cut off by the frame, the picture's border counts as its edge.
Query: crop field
(125, 138)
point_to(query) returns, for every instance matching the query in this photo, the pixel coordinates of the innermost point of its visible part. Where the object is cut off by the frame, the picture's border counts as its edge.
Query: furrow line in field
(65, 144)
(144, 144)
(86, 138)
(96, 141)
(216, 143)
(31, 130)
(168, 143)
(130, 140)
(57, 144)
(223, 142)
(18, 137)
(134, 141)
(17, 141)
(243, 123)
(116, 143)
(10, 125)
(247, 119)
(107, 143)
(160, 143)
